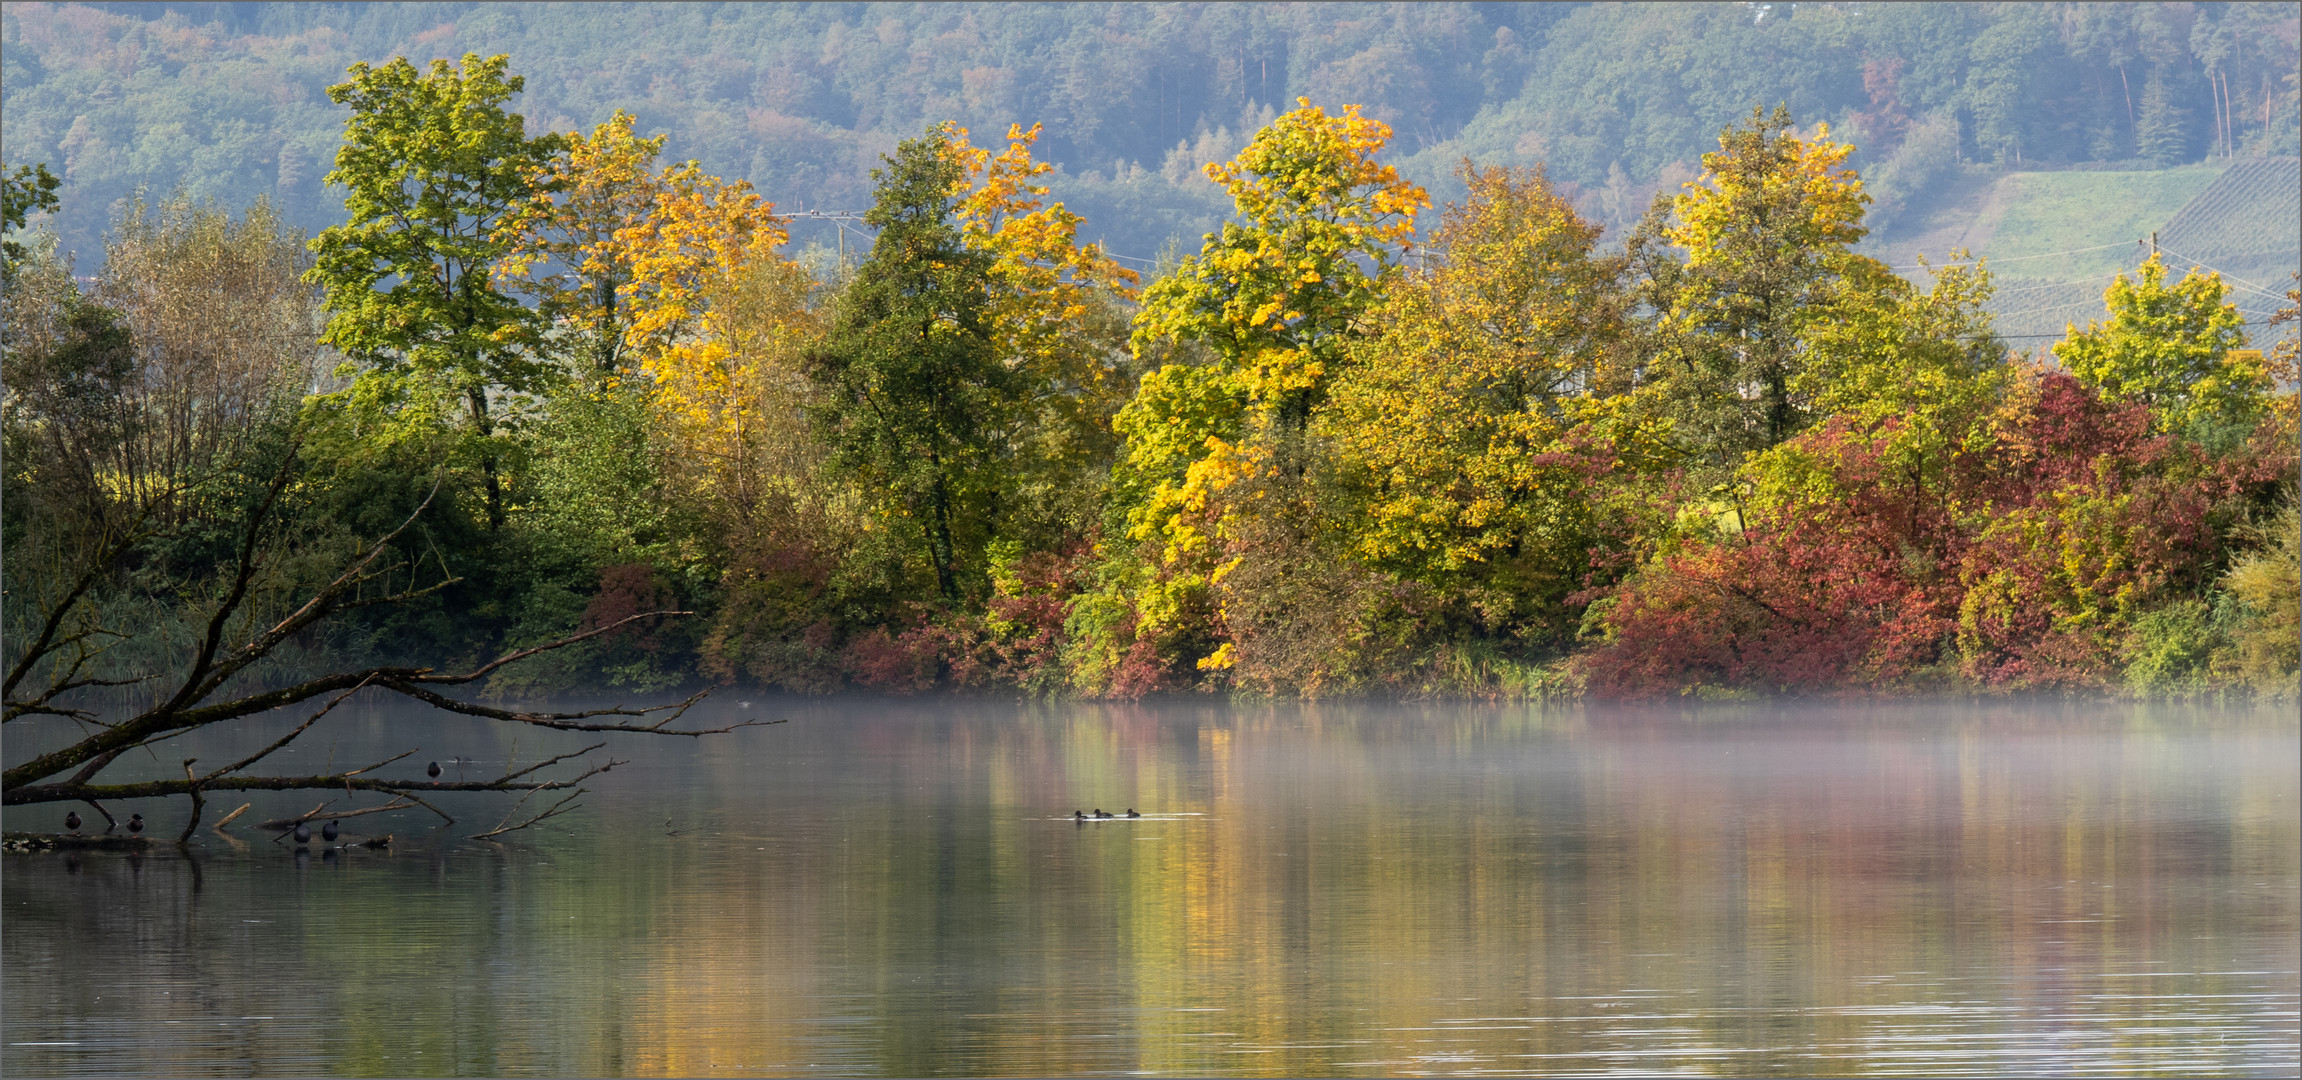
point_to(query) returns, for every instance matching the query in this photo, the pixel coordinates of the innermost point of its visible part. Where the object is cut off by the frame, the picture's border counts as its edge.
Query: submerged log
(31, 841)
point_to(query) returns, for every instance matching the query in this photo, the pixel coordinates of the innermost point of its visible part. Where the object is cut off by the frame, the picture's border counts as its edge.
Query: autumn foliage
(1345, 447)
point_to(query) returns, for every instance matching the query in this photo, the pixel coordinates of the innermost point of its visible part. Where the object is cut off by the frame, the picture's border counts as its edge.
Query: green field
(2054, 240)
(2023, 222)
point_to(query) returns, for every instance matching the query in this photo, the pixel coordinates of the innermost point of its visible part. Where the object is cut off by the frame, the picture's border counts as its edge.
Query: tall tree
(570, 226)
(1459, 419)
(913, 385)
(431, 165)
(2158, 123)
(1058, 321)
(1766, 235)
(1278, 294)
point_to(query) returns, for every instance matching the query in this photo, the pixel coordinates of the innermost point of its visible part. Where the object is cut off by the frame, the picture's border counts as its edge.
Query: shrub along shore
(1352, 445)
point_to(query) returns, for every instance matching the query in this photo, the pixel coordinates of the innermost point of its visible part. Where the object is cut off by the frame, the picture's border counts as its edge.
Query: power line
(2055, 285)
(2239, 281)
(2018, 258)
(2051, 307)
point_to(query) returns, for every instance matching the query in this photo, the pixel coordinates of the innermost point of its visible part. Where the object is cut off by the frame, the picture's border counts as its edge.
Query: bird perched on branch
(72, 821)
(432, 770)
(303, 833)
(328, 831)
(135, 823)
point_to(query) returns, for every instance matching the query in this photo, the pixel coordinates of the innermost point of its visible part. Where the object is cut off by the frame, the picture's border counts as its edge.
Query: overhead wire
(2018, 258)
(2055, 284)
(2240, 282)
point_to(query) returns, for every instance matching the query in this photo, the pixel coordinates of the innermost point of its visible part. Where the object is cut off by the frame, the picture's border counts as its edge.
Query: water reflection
(900, 889)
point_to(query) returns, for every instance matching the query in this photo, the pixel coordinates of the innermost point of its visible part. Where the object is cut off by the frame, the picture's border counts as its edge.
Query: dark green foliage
(2158, 127)
(914, 391)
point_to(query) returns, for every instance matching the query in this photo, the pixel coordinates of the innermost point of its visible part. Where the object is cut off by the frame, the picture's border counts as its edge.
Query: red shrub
(626, 590)
(2023, 561)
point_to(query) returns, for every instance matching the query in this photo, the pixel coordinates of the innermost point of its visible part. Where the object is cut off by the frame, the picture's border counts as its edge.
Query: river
(899, 888)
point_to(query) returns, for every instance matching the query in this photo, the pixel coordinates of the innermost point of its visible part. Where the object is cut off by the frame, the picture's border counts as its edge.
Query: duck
(1131, 812)
(135, 823)
(1079, 815)
(303, 833)
(432, 770)
(72, 821)
(328, 832)
(1102, 813)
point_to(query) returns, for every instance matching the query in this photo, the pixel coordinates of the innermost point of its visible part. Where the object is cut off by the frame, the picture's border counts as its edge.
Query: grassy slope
(2032, 226)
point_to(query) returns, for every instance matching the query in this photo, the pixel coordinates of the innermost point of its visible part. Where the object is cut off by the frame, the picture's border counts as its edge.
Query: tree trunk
(477, 396)
(939, 539)
(606, 336)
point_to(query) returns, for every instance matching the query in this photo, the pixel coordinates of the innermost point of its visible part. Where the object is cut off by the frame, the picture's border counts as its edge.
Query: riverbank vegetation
(1354, 444)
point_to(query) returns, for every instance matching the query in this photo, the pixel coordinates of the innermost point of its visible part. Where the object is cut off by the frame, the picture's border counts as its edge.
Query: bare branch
(289, 823)
(522, 654)
(242, 575)
(231, 817)
(327, 601)
(381, 764)
(572, 721)
(155, 789)
(96, 766)
(556, 810)
(45, 641)
(445, 819)
(285, 739)
(198, 803)
(552, 761)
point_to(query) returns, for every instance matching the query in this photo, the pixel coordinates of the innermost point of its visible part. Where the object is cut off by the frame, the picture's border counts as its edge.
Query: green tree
(30, 188)
(2158, 123)
(1455, 417)
(2171, 347)
(914, 390)
(431, 165)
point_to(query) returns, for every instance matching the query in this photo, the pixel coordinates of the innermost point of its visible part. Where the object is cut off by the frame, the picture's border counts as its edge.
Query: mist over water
(882, 888)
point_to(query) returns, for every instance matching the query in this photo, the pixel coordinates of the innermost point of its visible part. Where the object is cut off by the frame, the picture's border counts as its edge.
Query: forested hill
(229, 99)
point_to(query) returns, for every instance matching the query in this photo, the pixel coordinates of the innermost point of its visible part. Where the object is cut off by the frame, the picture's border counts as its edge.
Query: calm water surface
(898, 889)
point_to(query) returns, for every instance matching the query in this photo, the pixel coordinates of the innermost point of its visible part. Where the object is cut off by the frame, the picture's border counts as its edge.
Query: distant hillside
(1618, 100)
(2056, 239)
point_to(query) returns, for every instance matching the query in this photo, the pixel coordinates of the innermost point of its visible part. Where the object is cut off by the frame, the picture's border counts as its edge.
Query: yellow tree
(1766, 233)
(718, 318)
(1049, 296)
(1472, 422)
(600, 186)
(1272, 299)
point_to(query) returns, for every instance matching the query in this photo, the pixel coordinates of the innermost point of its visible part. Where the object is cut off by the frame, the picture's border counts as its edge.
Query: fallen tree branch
(556, 810)
(290, 736)
(290, 823)
(157, 789)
